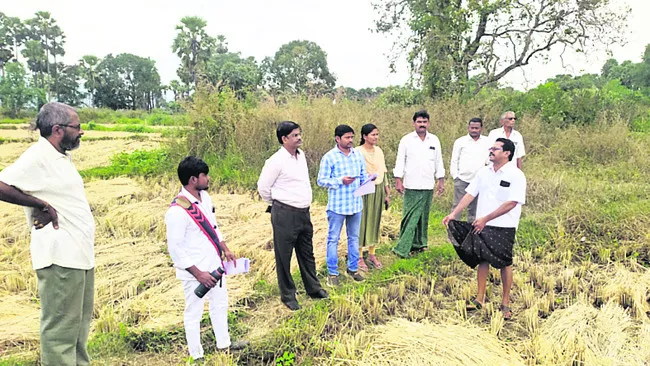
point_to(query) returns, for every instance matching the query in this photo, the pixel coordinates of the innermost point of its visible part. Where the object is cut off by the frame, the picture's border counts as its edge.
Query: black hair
(476, 120)
(285, 128)
(341, 130)
(423, 113)
(190, 167)
(365, 131)
(508, 145)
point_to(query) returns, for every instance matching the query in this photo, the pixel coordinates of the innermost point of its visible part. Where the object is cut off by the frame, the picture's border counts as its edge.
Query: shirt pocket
(503, 192)
(431, 153)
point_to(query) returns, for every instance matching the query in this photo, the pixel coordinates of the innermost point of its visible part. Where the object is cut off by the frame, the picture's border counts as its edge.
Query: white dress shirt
(515, 137)
(468, 156)
(285, 178)
(496, 188)
(188, 245)
(419, 163)
(43, 172)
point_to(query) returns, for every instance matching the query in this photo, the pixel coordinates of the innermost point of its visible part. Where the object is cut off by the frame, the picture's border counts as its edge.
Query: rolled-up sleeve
(455, 157)
(176, 223)
(400, 162)
(440, 166)
(325, 178)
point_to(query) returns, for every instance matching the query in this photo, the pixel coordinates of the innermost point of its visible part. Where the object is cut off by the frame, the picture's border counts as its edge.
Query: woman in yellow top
(374, 202)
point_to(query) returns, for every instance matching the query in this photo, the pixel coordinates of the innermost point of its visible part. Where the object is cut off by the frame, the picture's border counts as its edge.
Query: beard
(203, 187)
(69, 143)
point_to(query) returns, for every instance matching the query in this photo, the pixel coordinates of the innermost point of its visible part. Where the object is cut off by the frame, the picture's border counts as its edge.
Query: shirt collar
(189, 196)
(49, 152)
(352, 151)
(286, 152)
(503, 169)
(503, 131)
(480, 137)
(415, 134)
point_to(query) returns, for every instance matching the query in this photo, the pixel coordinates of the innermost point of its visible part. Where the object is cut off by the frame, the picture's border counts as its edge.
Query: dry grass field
(576, 301)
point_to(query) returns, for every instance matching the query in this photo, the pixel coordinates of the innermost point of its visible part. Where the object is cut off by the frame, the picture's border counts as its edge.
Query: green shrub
(138, 163)
(129, 121)
(15, 121)
(90, 126)
(162, 119)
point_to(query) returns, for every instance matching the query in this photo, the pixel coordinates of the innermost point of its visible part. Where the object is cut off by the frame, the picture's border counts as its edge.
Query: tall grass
(585, 183)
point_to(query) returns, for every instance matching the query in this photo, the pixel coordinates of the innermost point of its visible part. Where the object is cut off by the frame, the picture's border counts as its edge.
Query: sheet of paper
(366, 187)
(243, 266)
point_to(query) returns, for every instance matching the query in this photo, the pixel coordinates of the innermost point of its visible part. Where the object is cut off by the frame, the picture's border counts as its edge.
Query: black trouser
(292, 228)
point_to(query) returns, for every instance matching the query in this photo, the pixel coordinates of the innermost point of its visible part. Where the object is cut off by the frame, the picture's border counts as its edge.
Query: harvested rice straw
(628, 289)
(585, 334)
(401, 342)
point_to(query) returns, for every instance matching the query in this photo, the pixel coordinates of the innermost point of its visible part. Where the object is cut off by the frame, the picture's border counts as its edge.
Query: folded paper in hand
(243, 266)
(366, 187)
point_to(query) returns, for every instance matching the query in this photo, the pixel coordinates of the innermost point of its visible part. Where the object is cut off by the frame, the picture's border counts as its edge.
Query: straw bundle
(587, 335)
(628, 289)
(401, 342)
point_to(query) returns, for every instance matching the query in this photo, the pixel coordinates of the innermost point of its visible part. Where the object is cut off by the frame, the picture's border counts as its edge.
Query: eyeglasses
(77, 127)
(495, 149)
(512, 118)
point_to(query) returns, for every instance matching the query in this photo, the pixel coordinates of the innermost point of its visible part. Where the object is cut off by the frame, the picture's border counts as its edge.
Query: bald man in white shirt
(45, 181)
(507, 131)
(284, 184)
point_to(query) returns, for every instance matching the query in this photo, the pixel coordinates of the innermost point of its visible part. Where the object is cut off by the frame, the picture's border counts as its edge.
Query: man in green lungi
(419, 164)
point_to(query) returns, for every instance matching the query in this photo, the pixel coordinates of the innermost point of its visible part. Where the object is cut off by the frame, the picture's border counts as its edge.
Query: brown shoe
(332, 280)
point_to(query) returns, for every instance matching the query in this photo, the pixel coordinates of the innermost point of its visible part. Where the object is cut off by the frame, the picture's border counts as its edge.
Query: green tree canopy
(448, 40)
(14, 91)
(194, 47)
(298, 67)
(230, 69)
(12, 36)
(127, 81)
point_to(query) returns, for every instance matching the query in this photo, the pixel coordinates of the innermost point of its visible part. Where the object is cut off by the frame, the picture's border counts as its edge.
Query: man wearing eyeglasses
(489, 240)
(507, 131)
(45, 181)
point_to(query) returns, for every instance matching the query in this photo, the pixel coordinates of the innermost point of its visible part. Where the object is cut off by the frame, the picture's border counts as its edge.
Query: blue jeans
(352, 225)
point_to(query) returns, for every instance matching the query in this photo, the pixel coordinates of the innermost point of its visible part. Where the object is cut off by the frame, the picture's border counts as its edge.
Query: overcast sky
(356, 55)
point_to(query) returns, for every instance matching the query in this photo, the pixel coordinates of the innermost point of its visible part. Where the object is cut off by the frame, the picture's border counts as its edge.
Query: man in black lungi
(501, 188)
(284, 183)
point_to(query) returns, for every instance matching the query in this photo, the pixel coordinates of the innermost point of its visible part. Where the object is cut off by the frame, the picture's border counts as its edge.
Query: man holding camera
(190, 220)
(45, 181)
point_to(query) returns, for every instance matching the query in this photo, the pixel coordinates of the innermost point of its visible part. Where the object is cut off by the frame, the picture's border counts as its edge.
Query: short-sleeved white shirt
(496, 188)
(515, 137)
(43, 172)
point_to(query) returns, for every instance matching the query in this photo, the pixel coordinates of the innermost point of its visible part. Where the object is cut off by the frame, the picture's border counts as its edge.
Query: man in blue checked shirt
(342, 170)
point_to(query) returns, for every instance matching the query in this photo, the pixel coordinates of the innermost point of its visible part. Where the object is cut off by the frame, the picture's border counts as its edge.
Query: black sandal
(474, 305)
(507, 312)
